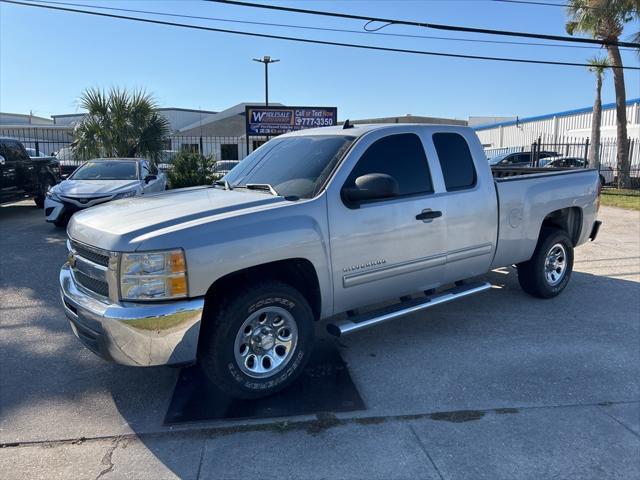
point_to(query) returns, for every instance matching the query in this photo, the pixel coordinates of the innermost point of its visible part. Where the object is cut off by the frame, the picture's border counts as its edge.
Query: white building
(23, 119)
(553, 127)
(177, 117)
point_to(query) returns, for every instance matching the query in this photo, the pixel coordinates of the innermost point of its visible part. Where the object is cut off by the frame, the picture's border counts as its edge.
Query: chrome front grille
(94, 255)
(90, 267)
(93, 284)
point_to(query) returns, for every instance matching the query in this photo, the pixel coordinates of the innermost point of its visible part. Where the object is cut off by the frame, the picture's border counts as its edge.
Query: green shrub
(191, 169)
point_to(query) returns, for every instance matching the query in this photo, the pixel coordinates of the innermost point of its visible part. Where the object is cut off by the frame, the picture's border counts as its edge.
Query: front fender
(222, 246)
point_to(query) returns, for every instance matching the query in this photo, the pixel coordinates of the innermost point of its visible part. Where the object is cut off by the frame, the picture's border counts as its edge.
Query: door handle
(428, 215)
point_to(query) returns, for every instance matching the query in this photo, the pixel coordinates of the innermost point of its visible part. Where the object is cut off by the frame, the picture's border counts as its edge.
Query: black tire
(532, 274)
(602, 181)
(44, 187)
(221, 325)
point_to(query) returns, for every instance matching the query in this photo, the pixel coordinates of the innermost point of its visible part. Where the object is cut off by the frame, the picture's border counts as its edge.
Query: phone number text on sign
(279, 120)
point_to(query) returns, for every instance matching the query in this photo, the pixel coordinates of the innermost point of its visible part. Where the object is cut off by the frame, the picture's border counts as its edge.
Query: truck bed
(526, 196)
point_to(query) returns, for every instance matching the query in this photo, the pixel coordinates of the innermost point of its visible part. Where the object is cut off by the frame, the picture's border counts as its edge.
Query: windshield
(107, 170)
(293, 166)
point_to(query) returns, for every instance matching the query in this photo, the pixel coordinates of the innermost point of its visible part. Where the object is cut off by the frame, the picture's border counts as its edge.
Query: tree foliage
(119, 123)
(605, 20)
(191, 169)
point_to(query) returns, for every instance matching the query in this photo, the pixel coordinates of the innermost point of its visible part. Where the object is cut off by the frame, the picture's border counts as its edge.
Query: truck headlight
(153, 275)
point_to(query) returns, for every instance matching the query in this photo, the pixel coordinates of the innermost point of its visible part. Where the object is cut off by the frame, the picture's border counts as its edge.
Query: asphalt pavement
(499, 385)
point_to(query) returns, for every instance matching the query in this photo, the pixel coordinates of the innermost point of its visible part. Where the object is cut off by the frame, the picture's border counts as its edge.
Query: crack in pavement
(603, 407)
(425, 451)
(107, 459)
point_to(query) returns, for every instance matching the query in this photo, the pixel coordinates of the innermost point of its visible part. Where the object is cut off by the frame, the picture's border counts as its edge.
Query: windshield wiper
(260, 186)
(223, 183)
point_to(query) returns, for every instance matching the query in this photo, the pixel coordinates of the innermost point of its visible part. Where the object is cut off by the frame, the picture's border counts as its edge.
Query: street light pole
(266, 60)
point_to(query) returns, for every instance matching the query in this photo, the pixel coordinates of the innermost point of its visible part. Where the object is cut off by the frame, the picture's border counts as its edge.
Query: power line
(436, 26)
(306, 40)
(323, 29)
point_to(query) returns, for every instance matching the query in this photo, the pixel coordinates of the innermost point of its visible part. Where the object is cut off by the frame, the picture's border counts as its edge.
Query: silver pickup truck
(322, 224)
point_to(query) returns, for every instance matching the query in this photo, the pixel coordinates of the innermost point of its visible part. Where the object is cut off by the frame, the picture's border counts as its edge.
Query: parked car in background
(165, 160)
(34, 154)
(224, 166)
(23, 176)
(314, 225)
(101, 180)
(518, 159)
(68, 161)
(606, 172)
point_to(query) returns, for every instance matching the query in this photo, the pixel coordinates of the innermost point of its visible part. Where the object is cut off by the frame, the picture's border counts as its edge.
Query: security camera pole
(266, 60)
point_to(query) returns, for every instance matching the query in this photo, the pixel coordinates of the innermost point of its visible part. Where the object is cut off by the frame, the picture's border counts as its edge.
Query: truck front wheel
(43, 188)
(257, 342)
(549, 270)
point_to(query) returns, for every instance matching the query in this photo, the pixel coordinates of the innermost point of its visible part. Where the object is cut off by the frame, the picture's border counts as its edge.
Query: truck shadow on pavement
(578, 348)
(324, 386)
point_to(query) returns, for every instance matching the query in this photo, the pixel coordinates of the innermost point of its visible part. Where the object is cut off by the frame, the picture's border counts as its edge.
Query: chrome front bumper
(134, 334)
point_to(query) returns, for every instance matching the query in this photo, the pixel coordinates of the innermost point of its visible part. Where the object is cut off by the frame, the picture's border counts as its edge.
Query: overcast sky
(47, 58)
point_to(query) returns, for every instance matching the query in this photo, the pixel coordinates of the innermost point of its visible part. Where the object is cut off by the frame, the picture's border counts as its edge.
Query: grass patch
(612, 197)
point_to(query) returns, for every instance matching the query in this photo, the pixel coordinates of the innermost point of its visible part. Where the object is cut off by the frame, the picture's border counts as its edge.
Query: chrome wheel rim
(555, 265)
(265, 342)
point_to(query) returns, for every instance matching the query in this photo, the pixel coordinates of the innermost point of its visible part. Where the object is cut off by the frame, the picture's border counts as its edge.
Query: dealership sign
(262, 121)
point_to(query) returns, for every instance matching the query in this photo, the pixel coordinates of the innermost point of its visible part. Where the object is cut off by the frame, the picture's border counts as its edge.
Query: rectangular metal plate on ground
(324, 386)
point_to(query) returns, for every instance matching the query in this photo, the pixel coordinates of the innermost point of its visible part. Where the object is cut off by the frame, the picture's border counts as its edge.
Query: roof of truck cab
(358, 130)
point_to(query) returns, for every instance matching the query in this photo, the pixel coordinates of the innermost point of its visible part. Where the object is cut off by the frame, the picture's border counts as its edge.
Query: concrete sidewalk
(600, 442)
(500, 385)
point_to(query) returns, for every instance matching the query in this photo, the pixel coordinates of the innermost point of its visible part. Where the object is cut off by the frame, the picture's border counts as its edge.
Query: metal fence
(545, 148)
(227, 151)
(45, 140)
(57, 141)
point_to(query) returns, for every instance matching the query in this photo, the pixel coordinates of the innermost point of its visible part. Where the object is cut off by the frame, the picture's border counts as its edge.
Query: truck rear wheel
(256, 343)
(549, 270)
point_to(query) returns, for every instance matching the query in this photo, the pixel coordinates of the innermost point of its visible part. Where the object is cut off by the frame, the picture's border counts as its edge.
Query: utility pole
(266, 60)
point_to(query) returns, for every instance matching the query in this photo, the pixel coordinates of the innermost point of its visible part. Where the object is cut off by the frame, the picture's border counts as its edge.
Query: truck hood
(122, 225)
(88, 188)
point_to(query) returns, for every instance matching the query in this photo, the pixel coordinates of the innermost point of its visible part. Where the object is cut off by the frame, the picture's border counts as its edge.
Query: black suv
(22, 176)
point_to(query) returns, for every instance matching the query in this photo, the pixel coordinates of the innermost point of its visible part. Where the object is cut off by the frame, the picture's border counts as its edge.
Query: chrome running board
(360, 322)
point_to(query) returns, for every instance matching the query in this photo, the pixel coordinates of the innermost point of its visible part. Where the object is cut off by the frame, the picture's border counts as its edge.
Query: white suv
(101, 180)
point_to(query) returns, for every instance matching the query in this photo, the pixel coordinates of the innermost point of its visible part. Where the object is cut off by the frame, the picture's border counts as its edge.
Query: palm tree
(599, 66)
(605, 19)
(119, 124)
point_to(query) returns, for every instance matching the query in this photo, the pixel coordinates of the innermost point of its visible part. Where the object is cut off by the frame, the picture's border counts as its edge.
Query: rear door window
(456, 161)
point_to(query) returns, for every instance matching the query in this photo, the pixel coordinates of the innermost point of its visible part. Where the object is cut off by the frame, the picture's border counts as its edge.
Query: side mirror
(373, 186)
(148, 178)
(2, 160)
